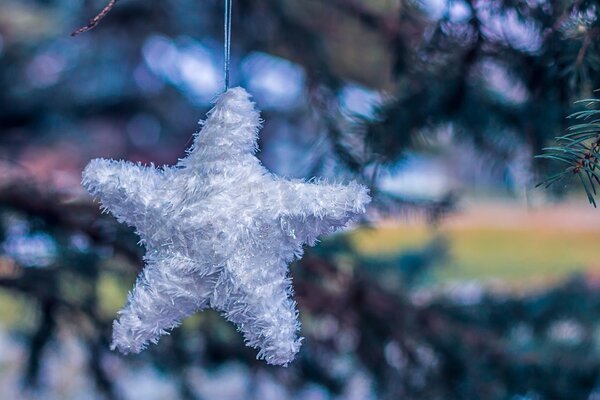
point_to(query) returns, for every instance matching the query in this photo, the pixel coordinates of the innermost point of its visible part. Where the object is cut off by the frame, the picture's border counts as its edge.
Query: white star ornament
(219, 231)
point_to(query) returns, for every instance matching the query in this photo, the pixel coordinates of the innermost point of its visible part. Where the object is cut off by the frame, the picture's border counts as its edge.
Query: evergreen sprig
(579, 148)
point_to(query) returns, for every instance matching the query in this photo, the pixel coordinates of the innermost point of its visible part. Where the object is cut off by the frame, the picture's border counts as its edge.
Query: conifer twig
(579, 149)
(96, 20)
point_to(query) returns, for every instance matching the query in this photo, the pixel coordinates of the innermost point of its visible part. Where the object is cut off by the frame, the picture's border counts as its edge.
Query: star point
(219, 231)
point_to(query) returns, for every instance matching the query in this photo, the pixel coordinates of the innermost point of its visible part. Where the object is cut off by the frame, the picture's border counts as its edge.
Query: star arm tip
(123, 188)
(169, 289)
(230, 129)
(260, 305)
(330, 202)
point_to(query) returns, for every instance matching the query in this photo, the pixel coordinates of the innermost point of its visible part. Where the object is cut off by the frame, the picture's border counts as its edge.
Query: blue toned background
(464, 281)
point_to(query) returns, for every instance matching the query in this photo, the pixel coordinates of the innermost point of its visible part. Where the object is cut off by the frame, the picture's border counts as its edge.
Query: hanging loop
(227, 58)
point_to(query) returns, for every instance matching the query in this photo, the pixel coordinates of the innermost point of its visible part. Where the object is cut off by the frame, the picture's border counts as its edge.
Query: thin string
(227, 41)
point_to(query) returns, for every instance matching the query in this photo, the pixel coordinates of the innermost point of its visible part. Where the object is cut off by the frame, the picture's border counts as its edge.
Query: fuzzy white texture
(219, 231)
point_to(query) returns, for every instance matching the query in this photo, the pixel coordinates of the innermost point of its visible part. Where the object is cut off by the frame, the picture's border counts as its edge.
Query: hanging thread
(228, 4)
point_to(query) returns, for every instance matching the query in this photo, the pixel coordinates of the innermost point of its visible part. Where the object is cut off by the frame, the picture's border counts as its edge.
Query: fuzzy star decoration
(219, 231)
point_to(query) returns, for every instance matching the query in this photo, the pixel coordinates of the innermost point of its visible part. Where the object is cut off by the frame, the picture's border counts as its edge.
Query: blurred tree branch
(443, 341)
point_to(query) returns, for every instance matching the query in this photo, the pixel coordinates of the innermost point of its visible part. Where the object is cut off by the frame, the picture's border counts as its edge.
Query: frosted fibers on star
(219, 231)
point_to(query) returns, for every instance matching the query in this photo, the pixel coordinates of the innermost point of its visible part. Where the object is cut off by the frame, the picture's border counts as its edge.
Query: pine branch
(579, 149)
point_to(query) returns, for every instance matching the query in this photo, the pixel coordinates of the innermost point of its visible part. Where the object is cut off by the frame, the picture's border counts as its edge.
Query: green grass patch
(514, 255)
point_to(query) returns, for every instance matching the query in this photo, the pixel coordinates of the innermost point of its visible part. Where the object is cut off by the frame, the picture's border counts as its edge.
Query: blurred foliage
(498, 77)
